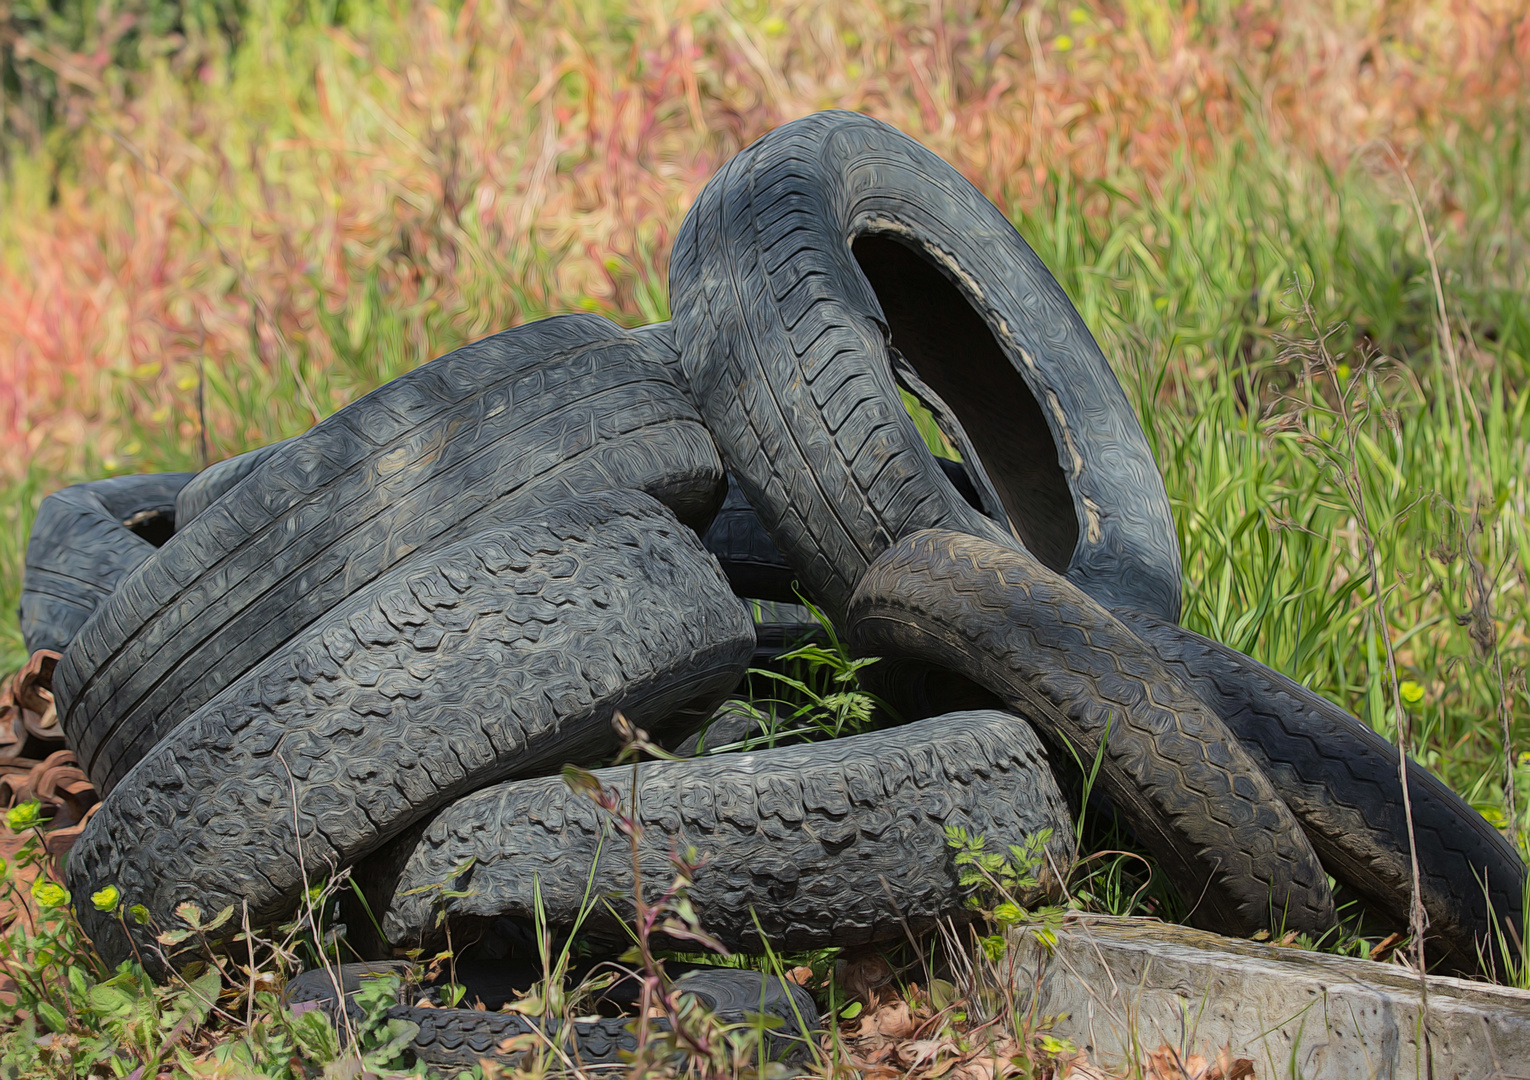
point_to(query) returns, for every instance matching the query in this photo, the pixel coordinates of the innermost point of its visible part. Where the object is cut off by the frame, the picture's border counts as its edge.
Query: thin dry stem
(1418, 919)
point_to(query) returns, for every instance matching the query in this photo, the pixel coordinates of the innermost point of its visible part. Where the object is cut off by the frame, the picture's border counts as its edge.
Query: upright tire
(831, 843)
(1340, 779)
(836, 259)
(939, 602)
(84, 540)
(505, 654)
(491, 433)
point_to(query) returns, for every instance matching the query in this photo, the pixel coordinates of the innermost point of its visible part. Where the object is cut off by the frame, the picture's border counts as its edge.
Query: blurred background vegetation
(221, 219)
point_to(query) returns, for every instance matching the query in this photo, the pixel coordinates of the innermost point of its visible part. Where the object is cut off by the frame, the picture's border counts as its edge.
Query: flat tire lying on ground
(447, 1038)
(831, 843)
(84, 540)
(834, 260)
(1340, 779)
(504, 654)
(939, 602)
(490, 433)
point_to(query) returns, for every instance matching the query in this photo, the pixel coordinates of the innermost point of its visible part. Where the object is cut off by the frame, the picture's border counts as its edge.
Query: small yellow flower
(1062, 43)
(106, 899)
(23, 817)
(47, 894)
(1412, 693)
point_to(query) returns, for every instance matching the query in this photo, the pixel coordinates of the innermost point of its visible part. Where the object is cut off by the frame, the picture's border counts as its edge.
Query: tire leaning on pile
(1340, 779)
(835, 259)
(1014, 632)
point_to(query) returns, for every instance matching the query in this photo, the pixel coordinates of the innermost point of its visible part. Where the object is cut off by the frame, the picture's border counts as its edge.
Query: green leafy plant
(818, 695)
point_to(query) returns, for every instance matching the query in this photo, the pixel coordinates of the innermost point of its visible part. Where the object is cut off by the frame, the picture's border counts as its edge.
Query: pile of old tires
(374, 645)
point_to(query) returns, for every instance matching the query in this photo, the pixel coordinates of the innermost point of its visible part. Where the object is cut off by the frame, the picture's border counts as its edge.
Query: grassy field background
(220, 224)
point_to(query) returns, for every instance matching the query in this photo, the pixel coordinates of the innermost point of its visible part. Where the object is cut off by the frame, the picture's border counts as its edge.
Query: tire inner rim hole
(950, 345)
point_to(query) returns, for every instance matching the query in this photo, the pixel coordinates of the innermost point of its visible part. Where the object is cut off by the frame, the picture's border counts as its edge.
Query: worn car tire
(1339, 777)
(209, 485)
(490, 433)
(749, 557)
(829, 843)
(460, 1038)
(940, 603)
(84, 540)
(836, 258)
(505, 654)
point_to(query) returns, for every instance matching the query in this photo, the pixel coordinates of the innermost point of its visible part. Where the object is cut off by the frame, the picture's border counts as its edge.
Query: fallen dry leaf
(1231, 1068)
(802, 976)
(923, 1051)
(1077, 1066)
(864, 975)
(1165, 1063)
(894, 1020)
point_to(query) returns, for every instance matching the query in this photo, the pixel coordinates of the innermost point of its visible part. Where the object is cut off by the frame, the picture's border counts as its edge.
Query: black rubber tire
(831, 843)
(85, 538)
(1339, 777)
(754, 567)
(209, 485)
(505, 654)
(750, 558)
(491, 433)
(939, 602)
(826, 255)
(460, 1038)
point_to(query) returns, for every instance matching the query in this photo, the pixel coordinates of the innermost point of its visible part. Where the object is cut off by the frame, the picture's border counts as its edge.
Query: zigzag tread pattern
(1192, 794)
(835, 843)
(501, 655)
(1340, 778)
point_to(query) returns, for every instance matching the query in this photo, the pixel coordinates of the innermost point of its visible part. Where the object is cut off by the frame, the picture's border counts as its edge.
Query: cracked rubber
(490, 433)
(460, 1038)
(835, 251)
(940, 602)
(830, 843)
(505, 654)
(84, 539)
(1339, 777)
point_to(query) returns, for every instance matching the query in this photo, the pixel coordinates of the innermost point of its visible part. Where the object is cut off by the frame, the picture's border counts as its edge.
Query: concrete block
(1127, 986)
